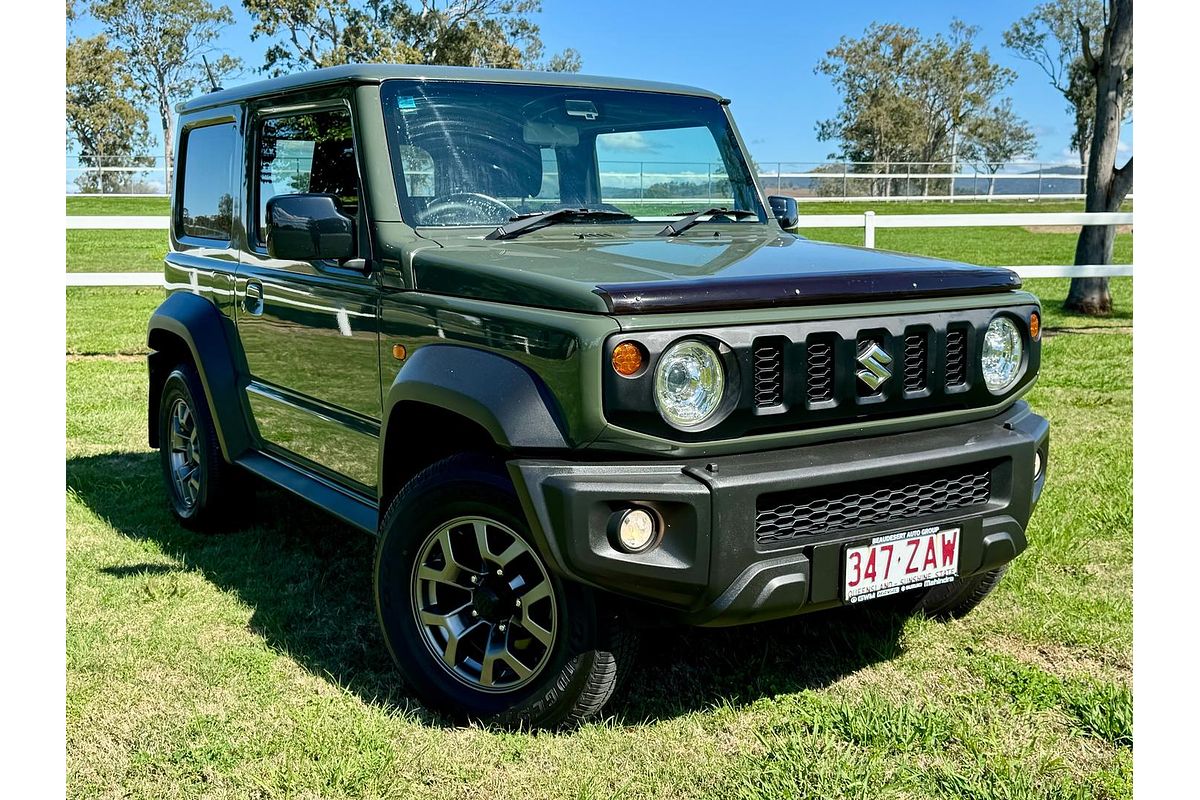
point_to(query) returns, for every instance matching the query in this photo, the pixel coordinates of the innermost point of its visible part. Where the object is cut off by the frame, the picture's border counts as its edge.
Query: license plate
(899, 561)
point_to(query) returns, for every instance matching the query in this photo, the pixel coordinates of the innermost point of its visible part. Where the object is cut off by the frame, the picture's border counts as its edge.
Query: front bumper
(714, 566)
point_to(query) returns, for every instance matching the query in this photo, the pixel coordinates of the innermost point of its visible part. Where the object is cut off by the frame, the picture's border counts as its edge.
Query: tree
(478, 33)
(103, 118)
(164, 43)
(997, 138)
(906, 98)
(1111, 70)
(1049, 37)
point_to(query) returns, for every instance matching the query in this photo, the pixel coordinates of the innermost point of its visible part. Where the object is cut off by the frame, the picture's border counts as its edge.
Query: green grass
(115, 250)
(987, 246)
(142, 250)
(248, 664)
(119, 206)
(109, 320)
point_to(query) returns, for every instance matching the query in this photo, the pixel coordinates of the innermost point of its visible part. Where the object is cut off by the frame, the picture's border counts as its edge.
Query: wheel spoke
(535, 630)
(539, 592)
(516, 548)
(480, 529)
(449, 575)
(497, 652)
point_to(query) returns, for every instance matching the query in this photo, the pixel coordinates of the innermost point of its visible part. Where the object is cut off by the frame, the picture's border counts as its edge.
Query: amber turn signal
(627, 358)
(1035, 325)
(399, 352)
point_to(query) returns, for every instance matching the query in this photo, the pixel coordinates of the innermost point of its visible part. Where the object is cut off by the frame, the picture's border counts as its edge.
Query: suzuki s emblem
(875, 361)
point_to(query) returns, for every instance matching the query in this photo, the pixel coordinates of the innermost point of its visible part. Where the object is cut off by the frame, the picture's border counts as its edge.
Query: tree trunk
(1106, 186)
(167, 118)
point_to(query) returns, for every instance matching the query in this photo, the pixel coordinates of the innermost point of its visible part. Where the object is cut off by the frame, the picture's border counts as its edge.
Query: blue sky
(762, 58)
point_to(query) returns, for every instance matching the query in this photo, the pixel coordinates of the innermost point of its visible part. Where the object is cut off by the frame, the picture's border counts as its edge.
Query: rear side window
(303, 153)
(208, 159)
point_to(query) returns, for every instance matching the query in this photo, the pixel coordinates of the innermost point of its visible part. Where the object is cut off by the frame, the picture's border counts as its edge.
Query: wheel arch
(190, 329)
(452, 398)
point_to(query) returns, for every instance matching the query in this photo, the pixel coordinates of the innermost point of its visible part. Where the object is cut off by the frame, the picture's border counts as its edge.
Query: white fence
(670, 180)
(868, 221)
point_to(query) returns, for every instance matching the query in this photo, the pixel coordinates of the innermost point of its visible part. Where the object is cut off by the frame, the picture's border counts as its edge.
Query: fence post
(869, 229)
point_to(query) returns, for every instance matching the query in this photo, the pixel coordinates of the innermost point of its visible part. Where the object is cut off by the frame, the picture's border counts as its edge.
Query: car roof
(375, 73)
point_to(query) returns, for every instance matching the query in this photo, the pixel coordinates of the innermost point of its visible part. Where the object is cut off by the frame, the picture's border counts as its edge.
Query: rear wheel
(199, 481)
(476, 622)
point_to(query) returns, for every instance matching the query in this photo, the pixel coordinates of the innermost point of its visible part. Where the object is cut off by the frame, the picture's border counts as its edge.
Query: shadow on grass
(308, 579)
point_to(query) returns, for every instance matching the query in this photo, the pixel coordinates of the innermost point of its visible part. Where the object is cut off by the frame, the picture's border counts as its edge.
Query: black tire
(573, 675)
(956, 599)
(213, 492)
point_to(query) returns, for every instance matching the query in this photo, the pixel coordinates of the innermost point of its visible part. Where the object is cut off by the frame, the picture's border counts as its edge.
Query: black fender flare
(503, 397)
(207, 335)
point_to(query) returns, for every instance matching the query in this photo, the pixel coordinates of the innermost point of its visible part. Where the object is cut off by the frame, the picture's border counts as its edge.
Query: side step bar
(342, 504)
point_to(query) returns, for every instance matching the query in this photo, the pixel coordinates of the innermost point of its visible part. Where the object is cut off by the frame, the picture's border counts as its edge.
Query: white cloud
(629, 141)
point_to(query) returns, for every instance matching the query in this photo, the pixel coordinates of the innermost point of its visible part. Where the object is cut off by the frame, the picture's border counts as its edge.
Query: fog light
(1037, 465)
(636, 530)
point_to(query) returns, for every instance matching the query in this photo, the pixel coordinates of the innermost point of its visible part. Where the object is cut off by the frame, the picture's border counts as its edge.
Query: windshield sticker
(406, 104)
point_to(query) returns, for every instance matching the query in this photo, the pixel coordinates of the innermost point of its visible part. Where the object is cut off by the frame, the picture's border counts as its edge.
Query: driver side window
(301, 153)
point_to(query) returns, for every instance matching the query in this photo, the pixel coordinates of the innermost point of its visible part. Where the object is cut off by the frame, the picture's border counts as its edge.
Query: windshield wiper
(525, 223)
(693, 217)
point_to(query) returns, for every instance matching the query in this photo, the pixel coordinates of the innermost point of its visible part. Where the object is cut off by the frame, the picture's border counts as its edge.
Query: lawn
(142, 250)
(248, 664)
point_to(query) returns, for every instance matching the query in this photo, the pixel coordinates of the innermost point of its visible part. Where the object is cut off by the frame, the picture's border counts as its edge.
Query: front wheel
(476, 622)
(950, 600)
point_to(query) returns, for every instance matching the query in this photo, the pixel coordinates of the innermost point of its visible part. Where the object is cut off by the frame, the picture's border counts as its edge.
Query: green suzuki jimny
(543, 336)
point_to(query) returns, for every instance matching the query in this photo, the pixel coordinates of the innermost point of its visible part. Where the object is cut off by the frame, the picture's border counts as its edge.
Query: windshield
(481, 153)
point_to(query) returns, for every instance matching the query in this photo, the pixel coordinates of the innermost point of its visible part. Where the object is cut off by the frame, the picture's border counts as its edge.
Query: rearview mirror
(308, 227)
(550, 134)
(785, 210)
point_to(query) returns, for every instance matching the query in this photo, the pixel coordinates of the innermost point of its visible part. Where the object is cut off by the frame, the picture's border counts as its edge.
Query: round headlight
(1001, 356)
(688, 383)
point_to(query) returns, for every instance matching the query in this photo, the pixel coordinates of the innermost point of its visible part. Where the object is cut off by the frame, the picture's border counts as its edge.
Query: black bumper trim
(710, 570)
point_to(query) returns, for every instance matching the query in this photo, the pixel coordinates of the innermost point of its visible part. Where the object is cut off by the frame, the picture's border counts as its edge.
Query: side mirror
(308, 227)
(785, 210)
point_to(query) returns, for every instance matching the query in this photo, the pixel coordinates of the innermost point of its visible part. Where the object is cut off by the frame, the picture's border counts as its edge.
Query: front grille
(768, 374)
(825, 510)
(916, 362)
(956, 357)
(820, 372)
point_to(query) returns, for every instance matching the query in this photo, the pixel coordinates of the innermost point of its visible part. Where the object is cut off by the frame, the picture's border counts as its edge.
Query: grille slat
(956, 357)
(768, 375)
(916, 362)
(825, 510)
(820, 372)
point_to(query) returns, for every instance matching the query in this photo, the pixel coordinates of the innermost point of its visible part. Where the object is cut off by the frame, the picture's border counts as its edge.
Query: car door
(310, 329)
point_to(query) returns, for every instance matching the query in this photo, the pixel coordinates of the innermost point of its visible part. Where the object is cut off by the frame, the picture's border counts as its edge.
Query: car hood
(615, 273)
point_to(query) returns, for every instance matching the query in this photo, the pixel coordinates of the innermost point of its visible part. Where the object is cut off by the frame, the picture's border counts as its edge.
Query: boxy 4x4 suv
(544, 337)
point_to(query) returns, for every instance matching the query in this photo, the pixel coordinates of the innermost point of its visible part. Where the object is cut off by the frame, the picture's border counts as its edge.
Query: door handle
(252, 303)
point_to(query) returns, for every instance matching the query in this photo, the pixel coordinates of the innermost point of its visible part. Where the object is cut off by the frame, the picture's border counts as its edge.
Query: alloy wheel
(484, 604)
(185, 453)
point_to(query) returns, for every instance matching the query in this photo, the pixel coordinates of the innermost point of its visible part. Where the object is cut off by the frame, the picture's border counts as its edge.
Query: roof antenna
(211, 79)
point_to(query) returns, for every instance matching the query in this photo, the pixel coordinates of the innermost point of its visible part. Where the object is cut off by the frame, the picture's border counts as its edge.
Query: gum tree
(996, 138)
(1108, 58)
(165, 44)
(476, 33)
(103, 118)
